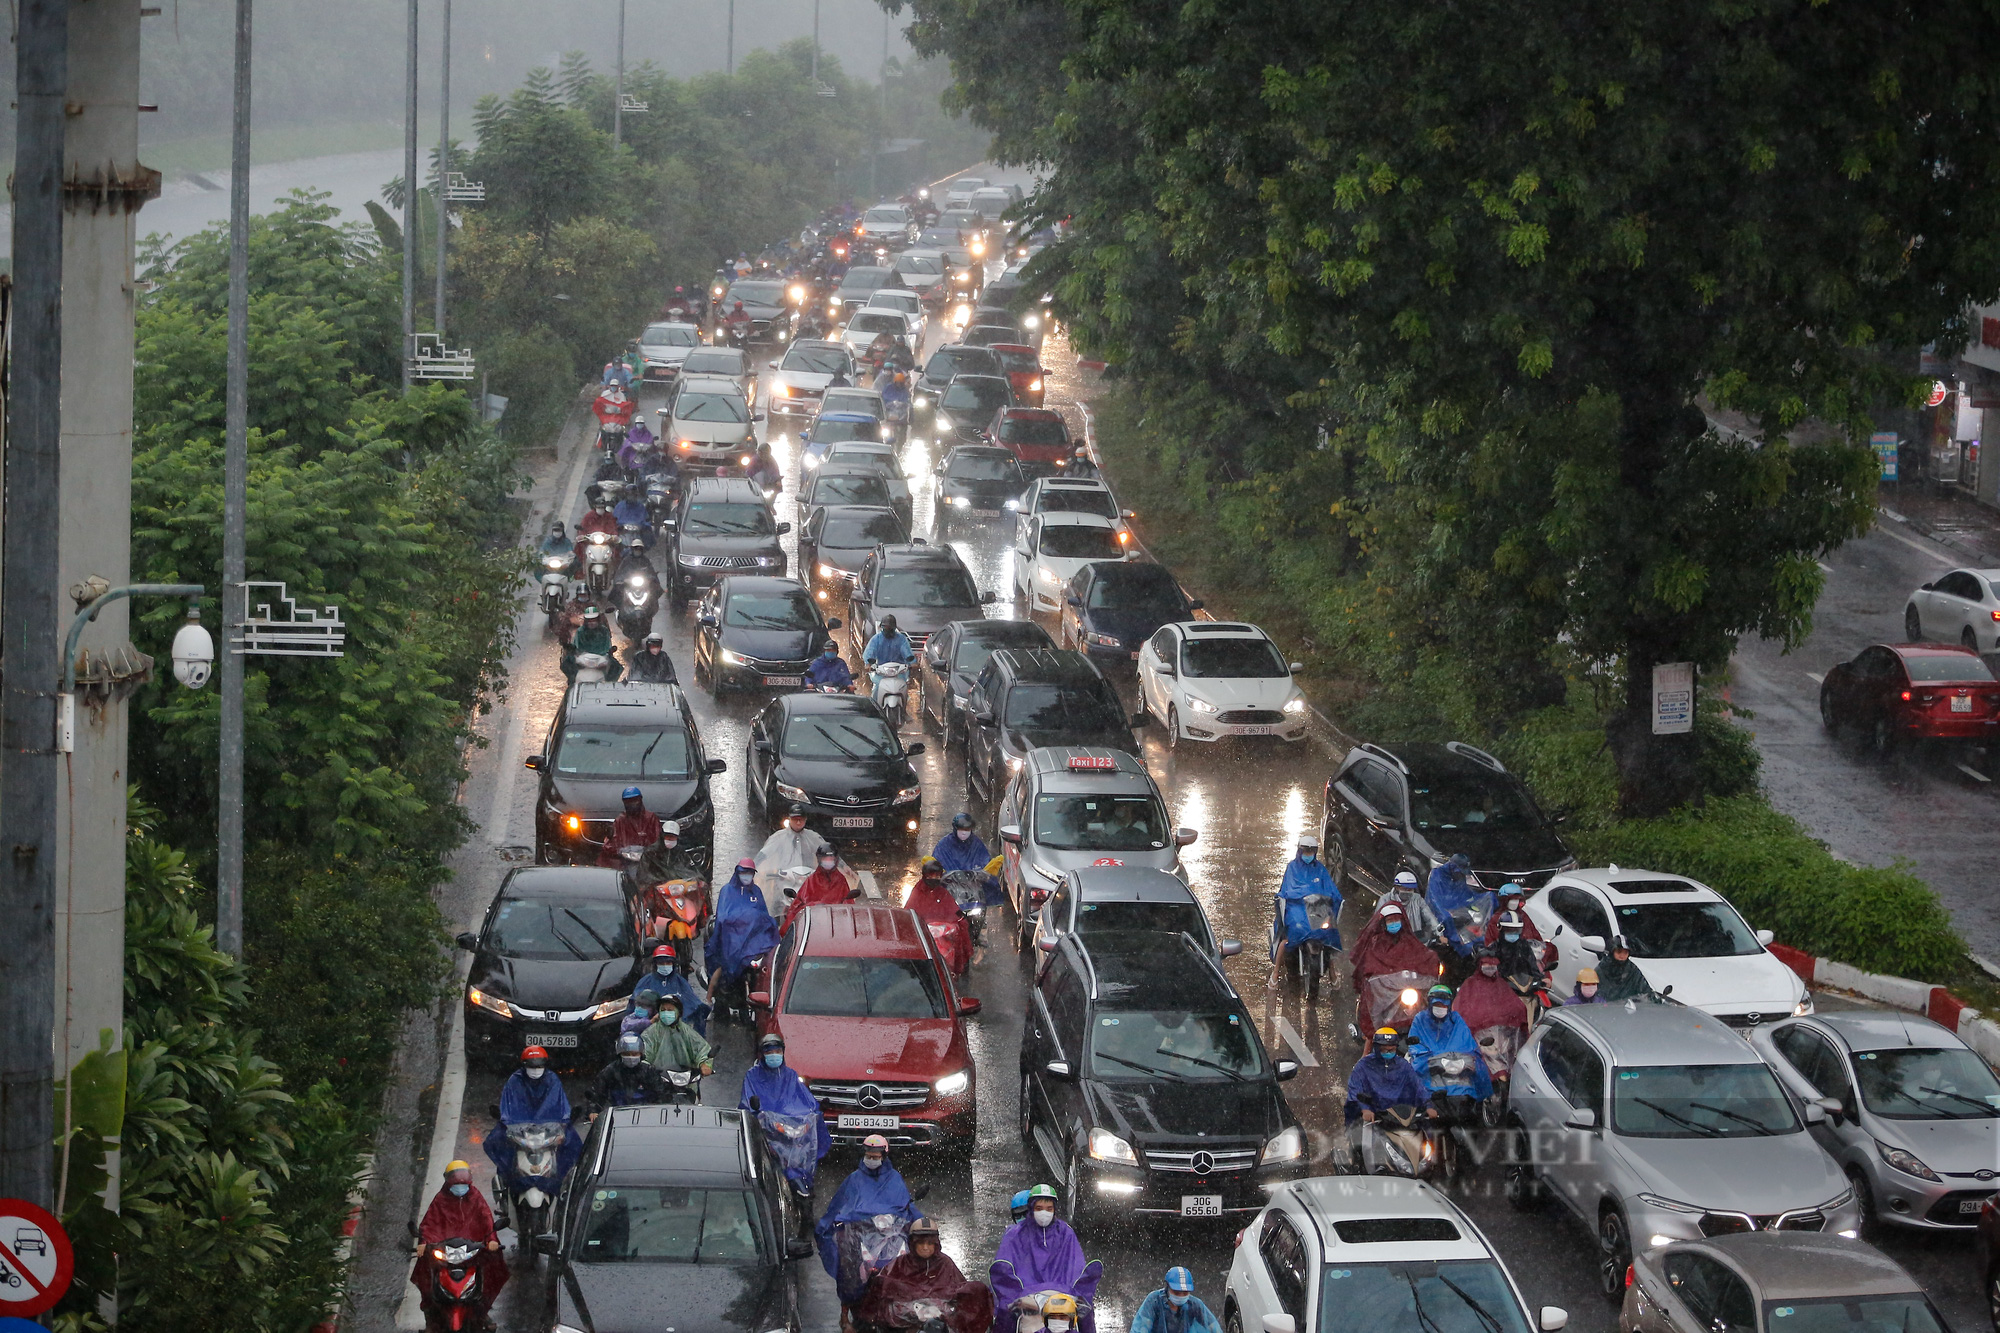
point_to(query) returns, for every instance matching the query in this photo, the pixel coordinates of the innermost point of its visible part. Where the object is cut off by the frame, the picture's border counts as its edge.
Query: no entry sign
(36, 1261)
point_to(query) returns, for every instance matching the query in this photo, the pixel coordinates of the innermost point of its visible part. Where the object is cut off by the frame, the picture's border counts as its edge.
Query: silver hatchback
(1652, 1123)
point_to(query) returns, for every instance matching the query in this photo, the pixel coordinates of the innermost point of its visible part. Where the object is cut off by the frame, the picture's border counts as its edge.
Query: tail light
(1906, 696)
(1628, 1275)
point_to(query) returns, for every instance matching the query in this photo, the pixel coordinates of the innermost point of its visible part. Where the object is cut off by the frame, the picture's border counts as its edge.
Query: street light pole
(409, 201)
(444, 161)
(618, 84)
(235, 498)
(815, 45)
(729, 62)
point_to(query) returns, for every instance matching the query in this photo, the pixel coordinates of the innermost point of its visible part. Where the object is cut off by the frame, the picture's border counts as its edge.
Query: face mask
(670, 842)
(827, 863)
(962, 834)
(1044, 1216)
(872, 1163)
(1178, 1298)
(669, 1018)
(1489, 969)
(664, 969)
(1385, 1055)
(459, 1189)
(1392, 926)
(1307, 856)
(1438, 1011)
(1511, 936)
(1589, 990)
(1057, 1325)
(536, 1073)
(630, 1059)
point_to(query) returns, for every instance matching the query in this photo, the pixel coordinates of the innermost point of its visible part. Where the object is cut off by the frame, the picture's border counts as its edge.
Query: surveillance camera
(194, 653)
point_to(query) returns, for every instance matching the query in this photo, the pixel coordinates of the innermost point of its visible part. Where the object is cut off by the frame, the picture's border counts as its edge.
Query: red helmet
(533, 1053)
(665, 951)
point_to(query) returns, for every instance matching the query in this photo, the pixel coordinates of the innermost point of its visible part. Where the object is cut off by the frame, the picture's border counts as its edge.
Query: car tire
(1173, 736)
(1913, 624)
(1076, 1208)
(1028, 1148)
(1882, 737)
(1827, 718)
(1864, 1199)
(1993, 1296)
(1968, 639)
(1524, 1187)
(1335, 856)
(1232, 1321)
(1614, 1255)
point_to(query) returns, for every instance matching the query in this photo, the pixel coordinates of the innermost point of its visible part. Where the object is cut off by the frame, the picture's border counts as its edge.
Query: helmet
(629, 1043)
(923, 1228)
(1486, 951)
(631, 793)
(1460, 861)
(1019, 1203)
(664, 951)
(1620, 942)
(645, 999)
(1386, 1037)
(961, 820)
(747, 863)
(798, 807)
(931, 863)
(888, 625)
(1040, 1192)
(670, 998)
(456, 1164)
(556, 529)
(1405, 880)
(1308, 841)
(875, 1141)
(1439, 992)
(1390, 909)
(592, 613)
(1062, 1303)
(770, 1041)
(1179, 1279)
(533, 1053)
(671, 829)
(1515, 921)
(1512, 890)
(1586, 976)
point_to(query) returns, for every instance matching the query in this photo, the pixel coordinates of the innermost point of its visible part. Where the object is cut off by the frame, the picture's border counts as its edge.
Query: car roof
(863, 930)
(973, 377)
(1885, 1029)
(671, 324)
(1147, 969)
(1423, 759)
(1219, 629)
(622, 701)
(830, 344)
(1072, 484)
(1053, 664)
(1069, 518)
(759, 583)
(815, 704)
(1331, 1200)
(1141, 571)
(892, 291)
(1130, 884)
(1013, 347)
(740, 490)
(564, 882)
(849, 448)
(1660, 1034)
(847, 416)
(695, 1146)
(997, 631)
(1808, 1265)
(1029, 413)
(1632, 885)
(1912, 649)
(708, 383)
(979, 451)
(735, 352)
(1127, 775)
(918, 552)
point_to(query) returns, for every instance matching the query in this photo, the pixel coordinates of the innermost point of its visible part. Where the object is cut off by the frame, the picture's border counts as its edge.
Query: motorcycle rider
(764, 471)
(558, 542)
(1385, 946)
(933, 902)
(1619, 978)
(1041, 1253)
(1512, 898)
(1407, 894)
(775, 1088)
(925, 1273)
(962, 848)
(645, 1008)
(1440, 1028)
(875, 1187)
(1586, 989)
(896, 398)
(652, 664)
(630, 512)
(628, 1080)
(531, 1095)
(792, 845)
(1449, 890)
(666, 979)
(829, 669)
(826, 884)
(458, 1211)
(744, 929)
(1518, 955)
(1487, 1001)
(672, 1044)
(676, 861)
(1304, 877)
(1174, 1308)
(1380, 1080)
(599, 519)
(737, 321)
(888, 645)
(1080, 464)
(636, 826)
(592, 636)
(634, 362)
(613, 406)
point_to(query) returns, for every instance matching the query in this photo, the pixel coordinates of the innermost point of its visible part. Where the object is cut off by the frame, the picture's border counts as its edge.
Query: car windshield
(832, 432)
(598, 751)
(817, 361)
(1174, 918)
(973, 652)
(1022, 363)
(983, 467)
(1231, 659)
(974, 397)
(939, 236)
(1903, 1312)
(883, 321)
(1740, 1101)
(864, 279)
(1147, 590)
(728, 520)
(785, 608)
(566, 929)
(855, 533)
(886, 217)
(1939, 1084)
(961, 360)
(925, 264)
(1075, 707)
(852, 400)
(1430, 1296)
(865, 988)
(850, 490)
(1079, 823)
(757, 293)
(1173, 1042)
(671, 1225)
(1075, 500)
(669, 335)
(1686, 930)
(1946, 667)
(934, 586)
(1468, 800)
(907, 302)
(717, 361)
(1079, 541)
(840, 736)
(725, 407)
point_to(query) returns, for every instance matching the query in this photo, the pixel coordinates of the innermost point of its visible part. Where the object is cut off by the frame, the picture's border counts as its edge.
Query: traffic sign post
(36, 1261)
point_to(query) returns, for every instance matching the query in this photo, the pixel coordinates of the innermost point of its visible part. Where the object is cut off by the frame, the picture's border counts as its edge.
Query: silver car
(1652, 1123)
(1912, 1115)
(1773, 1282)
(664, 346)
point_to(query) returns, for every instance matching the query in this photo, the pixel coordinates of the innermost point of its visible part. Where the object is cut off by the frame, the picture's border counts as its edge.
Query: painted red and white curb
(356, 1197)
(1936, 1003)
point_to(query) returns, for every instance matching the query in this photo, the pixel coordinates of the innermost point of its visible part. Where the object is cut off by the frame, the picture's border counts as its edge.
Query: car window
(973, 651)
(1066, 822)
(1927, 1084)
(865, 279)
(777, 609)
(927, 265)
(1429, 1296)
(756, 293)
(1562, 1055)
(594, 750)
(1024, 363)
(886, 217)
(565, 929)
(1073, 541)
(723, 407)
(868, 490)
(669, 335)
(1960, 584)
(852, 400)
(1062, 991)
(1175, 1043)
(1285, 1262)
(1082, 707)
(817, 361)
(934, 585)
(1075, 500)
(1162, 645)
(866, 453)
(1580, 911)
(1724, 1297)
(720, 519)
(825, 431)
(1700, 1102)
(1941, 667)
(857, 533)
(973, 397)
(1232, 659)
(1877, 662)
(713, 361)
(1685, 930)
(673, 1225)
(865, 988)
(1813, 1057)
(1377, 788)
(1469, 800)
(1175, 918)
(966, 466)
(1144, 590)
(885, 322)
(1903, 1312)
(840, 736)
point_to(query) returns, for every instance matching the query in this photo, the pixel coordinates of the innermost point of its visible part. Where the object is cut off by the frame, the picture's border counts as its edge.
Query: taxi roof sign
(1084, 761)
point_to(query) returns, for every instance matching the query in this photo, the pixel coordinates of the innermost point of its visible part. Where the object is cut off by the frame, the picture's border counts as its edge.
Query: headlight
(1108, 1147)
(610, 1007)
(1046, 574)
(978, 248)
(734, 659)
(782, 389)
(960, 502)
(636, 581)
(792, 793)
(1287, 1145)
(1295, 705)
(919, 399)
(1013, 763)
(1803, 1007)
(490, 1003)
(943, 421)
(833, 307)
(1034, 386)
(828, 572)
(1031, 321)
(769, 561)
(1052, 876)
(1906, 1162)
(1199, 705)
(556, 562)
(797, 293)
(908, 794)
(1409, 997)
(1103, 640)
(1670, 1205)
(953, 1084)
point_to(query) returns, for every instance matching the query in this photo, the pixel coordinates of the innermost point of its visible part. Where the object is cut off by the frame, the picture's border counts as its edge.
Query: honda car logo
(553, 1015)
(1204, 1162)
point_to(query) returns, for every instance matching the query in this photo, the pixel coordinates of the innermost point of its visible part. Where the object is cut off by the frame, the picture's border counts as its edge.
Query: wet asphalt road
(1248, 805)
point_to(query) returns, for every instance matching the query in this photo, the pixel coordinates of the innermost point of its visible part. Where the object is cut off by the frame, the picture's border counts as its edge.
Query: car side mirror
(914, 749)
(467, 940)
(984, 717)
(796, 1249)
(968, 1005)
(708, 620)
(1167, 669)
(1928, 587)
(1195, 605)
(1074, 600)
(1126, 513)
(1184, 836)
(1831, 1107)
(1295, 667)
(1059, 1069)
(988, 597)
(1764, 937)
(1011, 833)
(762, 998)
(784, 528)
(1584, 1119)
(1280, 1323)
(1594, 943)
(1229, 948)
(1286, 1069)
(833, 623)
(770, 365)
(715, 766)
(762, 747)
(1046, 943)
(1553, 1319)
(548, 1243)
(1815, 1114)
(534, 761)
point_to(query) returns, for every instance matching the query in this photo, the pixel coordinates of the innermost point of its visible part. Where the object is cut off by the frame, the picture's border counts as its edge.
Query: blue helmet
(630, 792)
(1179, 1279)
(1018, 1205)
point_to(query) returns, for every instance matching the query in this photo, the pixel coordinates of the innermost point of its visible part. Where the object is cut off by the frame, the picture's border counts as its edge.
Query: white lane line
(1296, 1042)
(1816, 677)
(1972, 772)
(1915, 545)
(444, 1142)
(869, 888)
(1825, 567)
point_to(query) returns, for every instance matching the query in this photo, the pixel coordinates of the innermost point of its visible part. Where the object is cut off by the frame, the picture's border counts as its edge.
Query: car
(1773, 1280)
(992, 202)
(730, 363)
(834, 484)
(757, 633)
(904, 302)
(708, 422)
(1145, 1089)
(687, 1199)
(974, 480)
(1413, 806)
(934, 236)
(838, 539)
(1049, 549)
(856, 286)
(721, 525)
(953, 659)
(964, 221)
(946, 363)
(1059, 494)
(868, 402)
(664, 346)
(965, 263)
(1371, 1254)
(876, 455)
(1684, 936)
(869, 324)
(1023, 367)
(831, 428)
(1025, 698)
(968, 404)
(924, 272)
(772, 310)
(1098, 900)
(1960, 607)
(1208, 680)
(872, 1022)
(1112, 608)
(836, 755)
(1911, 1112)
(885, 229)
(925, 587)
(1652, 1123)
(986, 335)
(958, 194)
(1892, 693)
(553, 965)
(803, 374)
(608, 736)
(1073, 806)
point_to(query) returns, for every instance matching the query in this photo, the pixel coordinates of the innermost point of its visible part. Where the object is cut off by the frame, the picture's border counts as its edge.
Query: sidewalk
(1949, 518)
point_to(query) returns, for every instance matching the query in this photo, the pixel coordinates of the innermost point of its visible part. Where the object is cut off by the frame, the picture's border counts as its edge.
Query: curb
(356, 1197)
(1936, 1003)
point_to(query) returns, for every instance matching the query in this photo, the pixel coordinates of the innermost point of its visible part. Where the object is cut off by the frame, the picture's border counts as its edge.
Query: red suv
(871, 1020)
(1036, 435)
(1024, 370)
(1928, 691)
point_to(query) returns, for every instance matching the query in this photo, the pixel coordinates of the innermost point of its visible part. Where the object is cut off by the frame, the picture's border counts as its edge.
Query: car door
(1378, 838)
(1812, 1066)
(763, 754)
(1567, 1157)
(1026, 537)
(982, 713)
(1157, 668)
(1960, 602)
(1282, 1256)
(1580, 912)
(1057, 1018)
(1012, 807)
(1712, 1298)
(934, 681)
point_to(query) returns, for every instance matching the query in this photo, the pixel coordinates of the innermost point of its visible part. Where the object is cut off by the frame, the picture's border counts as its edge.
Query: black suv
(757, 633)
(953, 659)
(948, 363)
(925, 587)
(1145, 1086)
(1411, 807)
(607, 737)
(1026, 698)
(685, 1200)
(721, 526)
(856, 286)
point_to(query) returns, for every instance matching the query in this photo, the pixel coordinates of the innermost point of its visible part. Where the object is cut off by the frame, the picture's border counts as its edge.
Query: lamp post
(409, 211)
(444, 160)
(235, 499)
(618, 84)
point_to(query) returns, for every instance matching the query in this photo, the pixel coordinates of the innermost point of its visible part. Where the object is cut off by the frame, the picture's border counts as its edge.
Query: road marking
(1972, 772)
(1825, 567)
(1914, 545)
(444, 1143)
(869, 888)
(1816, 677)
(1296, 1042)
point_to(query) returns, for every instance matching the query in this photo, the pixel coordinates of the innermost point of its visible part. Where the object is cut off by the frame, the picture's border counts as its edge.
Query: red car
(1912, 691)
(1023, 368)
(1036, 435)
(872, 1021)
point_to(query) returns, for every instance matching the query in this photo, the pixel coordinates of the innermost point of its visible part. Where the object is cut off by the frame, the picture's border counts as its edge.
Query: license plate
(1201, 1205)
(784, 680)
(1970, 1205)
(853, 821)
(1256, 731)
(550, 1039)
(869, 1122)
(1962, 704)
(1135, 657)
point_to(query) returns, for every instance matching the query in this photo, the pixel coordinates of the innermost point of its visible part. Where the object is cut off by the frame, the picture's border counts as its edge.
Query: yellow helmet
(1586, 976)
(1059, 1304)
(456, 1165)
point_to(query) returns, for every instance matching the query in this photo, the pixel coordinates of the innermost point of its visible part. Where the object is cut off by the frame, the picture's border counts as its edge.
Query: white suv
(1207, 680)
(1363, 1254)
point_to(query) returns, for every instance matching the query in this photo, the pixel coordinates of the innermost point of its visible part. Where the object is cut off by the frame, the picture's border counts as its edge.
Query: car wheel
(1826, 714)
(1075, 1206)
(1614, 1255)
(1864, 1199)
(1913, 624)
(1524, 1187)
(1232, 1322)
(1173, 736)
(1967, 638)
(1336, 856)
(1882, 737)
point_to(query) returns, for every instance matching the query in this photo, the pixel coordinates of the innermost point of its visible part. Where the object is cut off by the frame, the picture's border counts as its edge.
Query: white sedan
(1681, 933)
(869, 323)
(1050, 548)
(1207, 680)
(1961, 607)
(903, 302)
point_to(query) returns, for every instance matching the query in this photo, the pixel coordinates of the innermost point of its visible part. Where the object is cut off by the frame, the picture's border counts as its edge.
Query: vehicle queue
(1599, 1023)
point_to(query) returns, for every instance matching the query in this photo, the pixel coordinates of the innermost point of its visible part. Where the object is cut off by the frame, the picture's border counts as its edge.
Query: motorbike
(865, 1248)
(678, 909)
(1451, 1076)
(536, 1144)
(1400, 1141)
(1390, 1000)
(1534, 992)
(457, 1286)
(969, 888)
(1027, 1310)
(737, 333)
(1314, 956)
(555, 584)
(638, 601)
(599, 553)
(732, 998)
(610, 437)
(661, 496)
(889, 689)
(1498, 1046)
(591, 668)
(794, 1142)
(898, 425)
(685, 1085)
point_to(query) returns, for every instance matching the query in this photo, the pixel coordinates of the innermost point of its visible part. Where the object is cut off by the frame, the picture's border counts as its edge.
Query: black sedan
(552, 966)
(946, 364)
(754, 633)
(838, 539)
(837, 755)
(975, 480)
(1114, 606)
(954, 658)
(969, 403)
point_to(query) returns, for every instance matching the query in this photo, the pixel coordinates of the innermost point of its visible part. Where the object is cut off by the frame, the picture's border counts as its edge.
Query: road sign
(1938, 391)
(1887, 445)
(1673, 698)
(36, 1261)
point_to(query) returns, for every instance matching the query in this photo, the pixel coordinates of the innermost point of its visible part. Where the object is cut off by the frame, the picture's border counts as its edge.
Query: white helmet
(1308, 843)
(1405, 880)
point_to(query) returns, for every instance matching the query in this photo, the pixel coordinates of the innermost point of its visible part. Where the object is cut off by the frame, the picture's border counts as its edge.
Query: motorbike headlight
(636, 581)
(908, 794)
(1034, 386)
(611, 1007)
(1398, 1159)
(734, 659)
(1108, 1147)
(1287, 1145)
(1906, 1162)
(791, 793)
(953, 1084)
(1031, 321)
(491, 1003)
(1199, 705)
(961, 502)
(1408, 998)
(1295, 705)
(556, 562)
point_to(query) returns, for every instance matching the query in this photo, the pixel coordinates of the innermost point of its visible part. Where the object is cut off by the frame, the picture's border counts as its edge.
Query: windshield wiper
(828, 737)
(1757, 1125)
(864, 738)
(1709, 1131)
(1984, 1106)
(648, 754)
(1485, 1315)
(1417, 1303)
(589, 930)
(569, 944)
(1131, 1064)
(1197, 1060)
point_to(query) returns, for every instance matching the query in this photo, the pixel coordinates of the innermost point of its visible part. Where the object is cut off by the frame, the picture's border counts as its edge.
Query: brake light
(1906, 696)
(1628, 1275)
(1996, 615)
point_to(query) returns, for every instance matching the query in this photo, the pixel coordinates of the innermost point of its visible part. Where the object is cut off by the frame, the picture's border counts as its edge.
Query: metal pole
(618, 86)
(815, 45)
(410, 201)
(29, 775)
(882, 80)
(444, 161)
(235, 499)
(730, 50)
